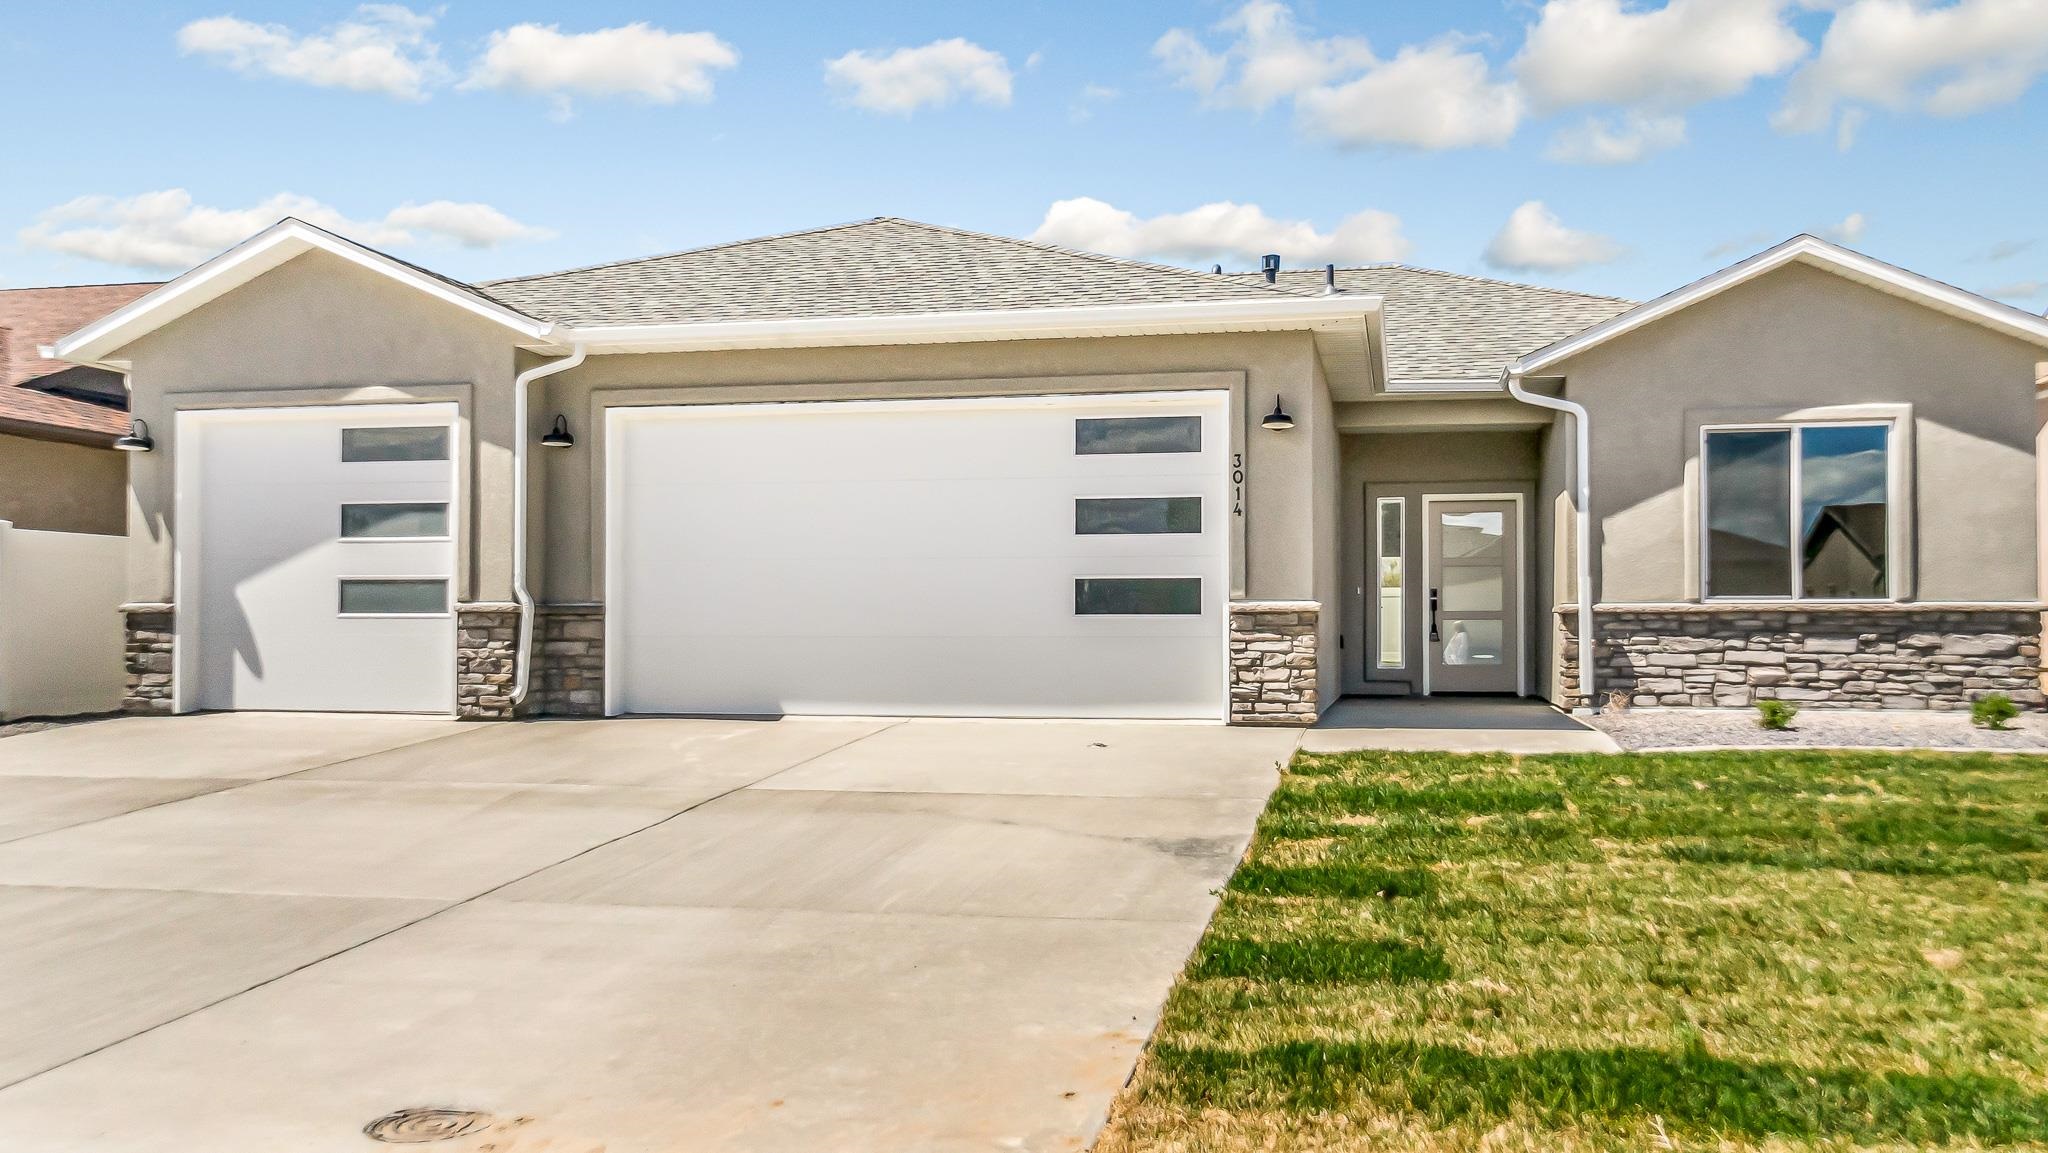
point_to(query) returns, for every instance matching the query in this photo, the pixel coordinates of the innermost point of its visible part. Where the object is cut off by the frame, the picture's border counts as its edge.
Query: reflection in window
(1138, 596)
(1472, 642)
(394, 519)
(1749, 529)
(373, 597)
(1392, 576)
(1112, 435)
(380, 444)
(1837, 496)
(1137, 515)
(1842, 511)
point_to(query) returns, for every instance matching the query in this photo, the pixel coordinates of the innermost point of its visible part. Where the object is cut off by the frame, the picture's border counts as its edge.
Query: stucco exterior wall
(319, 330)
(1803, 342)
(62, 487)
(1278, 559)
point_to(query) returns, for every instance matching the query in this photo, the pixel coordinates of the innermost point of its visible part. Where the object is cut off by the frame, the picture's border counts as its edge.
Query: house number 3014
(1237, 483)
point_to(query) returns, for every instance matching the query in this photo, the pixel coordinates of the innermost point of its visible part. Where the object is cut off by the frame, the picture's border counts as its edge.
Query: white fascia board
(1445, 384)
(252, 258)
(1276, 315)
(1822, 254)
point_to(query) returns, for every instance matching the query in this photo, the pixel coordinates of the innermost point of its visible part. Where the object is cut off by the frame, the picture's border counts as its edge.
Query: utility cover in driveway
(1032, 556)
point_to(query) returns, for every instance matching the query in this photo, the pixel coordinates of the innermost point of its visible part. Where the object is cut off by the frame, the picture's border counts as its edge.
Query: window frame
(1379, 604)
(447, 584)
(447, 521)
(1201, 513)
(1893, 488)
(1201, 595)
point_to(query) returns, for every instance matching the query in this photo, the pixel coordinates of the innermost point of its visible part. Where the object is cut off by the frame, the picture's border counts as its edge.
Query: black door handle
(1432, 615)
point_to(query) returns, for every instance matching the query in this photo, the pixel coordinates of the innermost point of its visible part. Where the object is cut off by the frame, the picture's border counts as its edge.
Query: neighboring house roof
(1815, 252)
(880, 267)
(1446, 326)
(51, 398)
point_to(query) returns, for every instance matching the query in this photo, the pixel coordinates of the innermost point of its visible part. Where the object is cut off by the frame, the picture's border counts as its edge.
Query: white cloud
(933, 75)
(1849, 231)
(2018, 290)
(1901, 54)
(1614, 53)
(384, 48)
(1091, 97)
(1619, 140)
(2004, 250)
(1221, 231)
(1433, 96)
(637, 60)
(165, 231)
(1535, 240)
(1747, 243)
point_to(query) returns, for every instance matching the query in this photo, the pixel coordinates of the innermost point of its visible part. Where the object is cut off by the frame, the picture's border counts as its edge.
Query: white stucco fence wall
(60, 622)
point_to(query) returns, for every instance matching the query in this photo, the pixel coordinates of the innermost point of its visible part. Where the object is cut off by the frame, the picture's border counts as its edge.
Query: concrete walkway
(1452, 725)
(260, 933)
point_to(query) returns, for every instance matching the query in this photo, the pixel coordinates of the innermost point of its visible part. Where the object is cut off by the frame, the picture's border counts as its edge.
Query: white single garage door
(316, 559)
(1029, 556)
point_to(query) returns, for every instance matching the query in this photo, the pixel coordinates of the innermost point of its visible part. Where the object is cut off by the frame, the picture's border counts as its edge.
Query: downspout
(521, 386)
(1582, 497)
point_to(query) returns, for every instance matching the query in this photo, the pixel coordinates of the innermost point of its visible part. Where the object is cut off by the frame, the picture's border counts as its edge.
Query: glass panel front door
(1473, 597)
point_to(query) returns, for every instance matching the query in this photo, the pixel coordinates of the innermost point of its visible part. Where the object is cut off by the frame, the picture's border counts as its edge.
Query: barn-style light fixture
(558, 436)
(1277, 420)
(137, 438)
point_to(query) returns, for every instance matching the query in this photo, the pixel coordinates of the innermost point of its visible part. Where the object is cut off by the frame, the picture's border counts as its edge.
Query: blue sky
(1454, 135)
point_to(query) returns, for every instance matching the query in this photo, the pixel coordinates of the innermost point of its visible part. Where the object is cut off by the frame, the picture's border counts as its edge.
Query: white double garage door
(1022, 556)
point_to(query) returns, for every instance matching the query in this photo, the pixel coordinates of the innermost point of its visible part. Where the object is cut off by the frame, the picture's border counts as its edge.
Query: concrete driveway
(264, 932)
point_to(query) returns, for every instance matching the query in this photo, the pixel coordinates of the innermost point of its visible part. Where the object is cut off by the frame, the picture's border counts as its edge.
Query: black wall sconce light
(137, 438)
(1277, 420)
(558, 436)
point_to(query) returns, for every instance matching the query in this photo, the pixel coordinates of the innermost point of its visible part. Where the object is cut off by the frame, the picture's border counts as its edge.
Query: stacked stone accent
(568, 662)
(486, 660)
(1273, 662)
(1828, 656)
(150, 630)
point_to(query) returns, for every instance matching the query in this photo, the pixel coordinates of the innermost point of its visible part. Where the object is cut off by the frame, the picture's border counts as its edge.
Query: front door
(1473, 595)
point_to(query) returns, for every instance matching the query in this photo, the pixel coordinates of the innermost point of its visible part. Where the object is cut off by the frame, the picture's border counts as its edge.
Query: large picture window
(1798, 512)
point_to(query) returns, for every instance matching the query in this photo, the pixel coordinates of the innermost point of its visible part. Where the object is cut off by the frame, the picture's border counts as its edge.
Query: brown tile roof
(50, 397)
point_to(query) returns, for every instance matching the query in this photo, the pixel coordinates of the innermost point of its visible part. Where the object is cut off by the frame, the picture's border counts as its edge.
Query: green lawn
(1704, 951)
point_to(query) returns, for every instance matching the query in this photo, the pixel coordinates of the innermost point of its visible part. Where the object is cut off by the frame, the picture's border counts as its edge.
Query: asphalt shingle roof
(869, 268)
(49, 394)
(1449, 326)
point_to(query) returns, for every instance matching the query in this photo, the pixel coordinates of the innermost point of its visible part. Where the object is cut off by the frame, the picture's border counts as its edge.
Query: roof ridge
(692, 251)
(1063, 250)
(93, 284)
(1382, 266)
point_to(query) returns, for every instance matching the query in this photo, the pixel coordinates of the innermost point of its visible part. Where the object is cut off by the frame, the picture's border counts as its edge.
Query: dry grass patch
(1698, 951)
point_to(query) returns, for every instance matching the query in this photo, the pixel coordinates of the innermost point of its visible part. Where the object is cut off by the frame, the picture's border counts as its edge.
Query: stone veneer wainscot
(1273, 662)
(568, 662)
(486, 660)
(1849, 656)
(150, 632)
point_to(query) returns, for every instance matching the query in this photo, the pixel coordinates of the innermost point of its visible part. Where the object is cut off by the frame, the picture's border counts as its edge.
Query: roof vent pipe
(1329, 280)
(1270, 265)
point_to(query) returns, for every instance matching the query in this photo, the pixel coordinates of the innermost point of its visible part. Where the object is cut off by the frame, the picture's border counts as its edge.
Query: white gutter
(1255, 315)
(521, 385)
(1582, 497)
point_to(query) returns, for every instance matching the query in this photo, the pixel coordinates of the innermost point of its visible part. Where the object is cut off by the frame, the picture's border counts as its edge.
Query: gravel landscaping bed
(1636, 729)
(38, 724)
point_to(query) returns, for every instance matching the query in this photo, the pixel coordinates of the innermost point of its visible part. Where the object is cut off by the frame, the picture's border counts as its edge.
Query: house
(58, 421)
(893, 468)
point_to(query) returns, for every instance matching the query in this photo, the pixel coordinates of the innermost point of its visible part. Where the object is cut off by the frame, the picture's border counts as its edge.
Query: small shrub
(1993, 711)
(1775, 715)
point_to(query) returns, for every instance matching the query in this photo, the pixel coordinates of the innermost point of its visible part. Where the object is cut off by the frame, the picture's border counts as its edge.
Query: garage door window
(394, 598)
(1137, 515)
(394, 521)
(1138, 596)
(361, 445)
(1123, 435)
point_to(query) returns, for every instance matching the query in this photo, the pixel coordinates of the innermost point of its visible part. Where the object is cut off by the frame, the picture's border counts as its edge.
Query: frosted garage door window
(411, 598)
(361, 445)
(1123, 435)
(394, 521)
(1137, 515)
(1138, 596)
